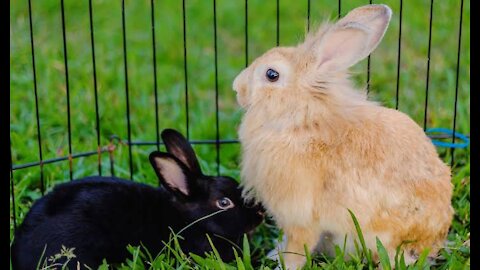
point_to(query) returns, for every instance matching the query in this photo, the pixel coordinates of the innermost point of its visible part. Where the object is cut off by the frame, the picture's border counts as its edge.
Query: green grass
(201, 84)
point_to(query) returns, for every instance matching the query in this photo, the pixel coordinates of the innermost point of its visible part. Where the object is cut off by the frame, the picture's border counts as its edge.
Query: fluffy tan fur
(313, 146)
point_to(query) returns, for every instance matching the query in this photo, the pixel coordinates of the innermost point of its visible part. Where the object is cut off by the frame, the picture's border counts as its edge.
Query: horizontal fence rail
(115, 141)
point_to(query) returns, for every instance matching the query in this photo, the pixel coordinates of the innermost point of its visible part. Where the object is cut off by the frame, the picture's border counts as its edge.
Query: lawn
(202, 88)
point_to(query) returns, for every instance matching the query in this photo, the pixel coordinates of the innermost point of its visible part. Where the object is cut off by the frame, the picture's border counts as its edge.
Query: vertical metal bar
(12, 185)
(97, 116)
(308, 15)
(112, 164)
(126, 89)
(339, 8)
(368, 66)
(217, 123)
(157, 129)
(185, 66)
(456, 81)
(65, 57)
(425, 118)
(37, 114)
(368, 75)
(246, 33)
(399, 54)
(278, 22)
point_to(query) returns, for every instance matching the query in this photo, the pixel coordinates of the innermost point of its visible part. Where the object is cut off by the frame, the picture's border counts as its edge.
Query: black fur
(99, 216)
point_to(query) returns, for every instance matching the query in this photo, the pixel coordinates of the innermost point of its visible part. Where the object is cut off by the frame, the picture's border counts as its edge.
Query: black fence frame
(115, 140)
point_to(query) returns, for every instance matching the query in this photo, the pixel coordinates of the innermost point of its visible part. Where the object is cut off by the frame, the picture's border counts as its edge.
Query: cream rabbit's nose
(240, 81)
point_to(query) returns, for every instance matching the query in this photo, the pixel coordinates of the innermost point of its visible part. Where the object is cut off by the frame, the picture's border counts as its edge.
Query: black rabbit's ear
(172, 173)
(178, 146)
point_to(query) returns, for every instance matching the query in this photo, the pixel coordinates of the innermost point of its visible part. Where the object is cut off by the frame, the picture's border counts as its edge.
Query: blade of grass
(422, 259)
(41, 257)
(383, 255)
(308, 263)
(362, 240)
(240, 265)
(215, 251)
(247, 260)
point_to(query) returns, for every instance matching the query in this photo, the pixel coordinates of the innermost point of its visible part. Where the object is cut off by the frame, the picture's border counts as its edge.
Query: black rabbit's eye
(272, 75)
(224, 203)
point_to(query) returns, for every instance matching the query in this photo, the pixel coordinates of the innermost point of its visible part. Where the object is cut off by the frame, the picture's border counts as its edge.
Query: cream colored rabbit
(313, 146)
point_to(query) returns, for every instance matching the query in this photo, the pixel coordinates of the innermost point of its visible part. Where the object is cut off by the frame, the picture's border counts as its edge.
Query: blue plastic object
(464, 138)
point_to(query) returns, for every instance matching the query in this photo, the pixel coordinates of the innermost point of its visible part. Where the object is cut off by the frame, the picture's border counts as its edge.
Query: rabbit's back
(383, 149)
(390, 142)
(378, 140)
(97, 216)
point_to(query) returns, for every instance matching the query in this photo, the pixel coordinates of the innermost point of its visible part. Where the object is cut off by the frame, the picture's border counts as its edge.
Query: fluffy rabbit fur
(313, 146)
(99, 216)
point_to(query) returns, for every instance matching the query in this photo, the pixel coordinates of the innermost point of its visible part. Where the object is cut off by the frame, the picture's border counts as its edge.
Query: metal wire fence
(218, 140)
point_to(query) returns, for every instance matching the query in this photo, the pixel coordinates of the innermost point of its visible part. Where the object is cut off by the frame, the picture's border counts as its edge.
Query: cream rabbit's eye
(224, 203)
(272, 75)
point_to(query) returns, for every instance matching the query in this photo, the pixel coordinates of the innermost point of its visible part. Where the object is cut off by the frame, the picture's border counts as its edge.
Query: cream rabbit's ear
(352, 38)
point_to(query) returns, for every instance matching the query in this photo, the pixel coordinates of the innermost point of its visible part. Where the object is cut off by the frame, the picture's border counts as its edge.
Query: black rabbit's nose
(261, 211)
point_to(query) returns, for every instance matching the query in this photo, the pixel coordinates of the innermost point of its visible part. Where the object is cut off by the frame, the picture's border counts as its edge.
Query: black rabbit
(100, 216)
